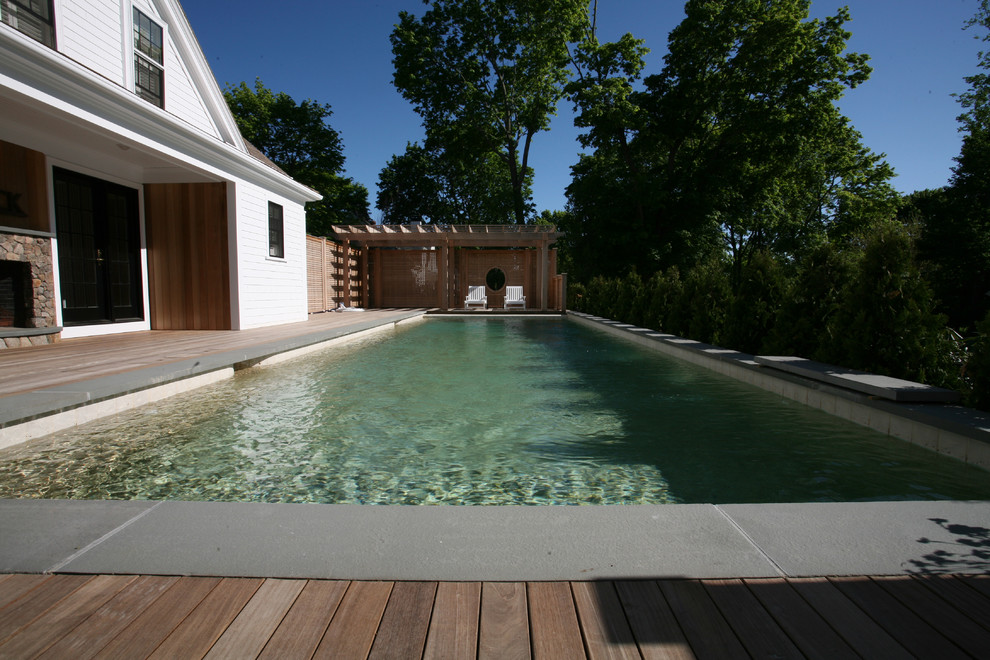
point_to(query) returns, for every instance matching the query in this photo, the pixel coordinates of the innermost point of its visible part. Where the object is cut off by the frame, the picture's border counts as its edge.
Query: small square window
(34, 18)
(276, 233)
(149, 60)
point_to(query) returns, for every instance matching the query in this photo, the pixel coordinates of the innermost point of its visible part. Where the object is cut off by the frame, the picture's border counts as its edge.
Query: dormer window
(34, 18)
(149, 62)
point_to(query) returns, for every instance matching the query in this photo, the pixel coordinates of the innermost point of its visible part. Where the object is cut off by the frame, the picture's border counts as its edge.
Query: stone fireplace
(27, 290)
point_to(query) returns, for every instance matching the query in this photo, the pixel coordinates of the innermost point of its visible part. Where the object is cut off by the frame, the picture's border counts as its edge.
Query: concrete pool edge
(949, 429)
(44, 411)
(515, 543)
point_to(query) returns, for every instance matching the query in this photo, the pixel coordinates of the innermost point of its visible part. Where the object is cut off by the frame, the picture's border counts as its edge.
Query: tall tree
(485, 76)
(299, 140)
(737, 143)
(965, 272)
(427, 185)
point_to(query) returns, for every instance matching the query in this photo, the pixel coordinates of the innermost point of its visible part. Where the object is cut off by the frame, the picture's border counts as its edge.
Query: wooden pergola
(456, 253)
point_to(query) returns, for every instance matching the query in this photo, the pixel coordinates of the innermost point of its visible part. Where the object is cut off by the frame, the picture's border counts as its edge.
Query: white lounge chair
(476, 297)
(514, 297)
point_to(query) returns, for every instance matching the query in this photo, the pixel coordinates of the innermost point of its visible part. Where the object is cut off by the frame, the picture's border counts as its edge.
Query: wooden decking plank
(352, 629)
(903, 624)
(553, 621)
(965, 599)
(15, 585)
(143, 635)
(652, 622)
(504, 625)
(86, 639)
(705, 628)
(303, 626)
(75, 360)
(754, 626)
(406, 622)
(454, 625)
(248, 634)
(603, 622)
(65, 615)
(979, 582)
(855, 625)
(939, 613)
(37, 601)
(812, 635)
(208, 621)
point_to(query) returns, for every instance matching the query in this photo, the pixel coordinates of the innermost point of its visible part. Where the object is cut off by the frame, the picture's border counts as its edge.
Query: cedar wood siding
(188, 264)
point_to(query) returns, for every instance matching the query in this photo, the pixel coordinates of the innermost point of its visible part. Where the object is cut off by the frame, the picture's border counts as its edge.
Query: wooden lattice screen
(326, 278)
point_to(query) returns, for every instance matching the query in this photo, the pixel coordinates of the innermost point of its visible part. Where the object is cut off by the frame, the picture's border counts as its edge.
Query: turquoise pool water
(482, 411)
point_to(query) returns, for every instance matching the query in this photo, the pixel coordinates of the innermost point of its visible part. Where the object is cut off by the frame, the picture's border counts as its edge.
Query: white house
(128, 198)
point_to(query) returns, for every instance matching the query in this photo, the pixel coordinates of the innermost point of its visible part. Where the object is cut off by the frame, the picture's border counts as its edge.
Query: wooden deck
(73, 360)
(121, 616)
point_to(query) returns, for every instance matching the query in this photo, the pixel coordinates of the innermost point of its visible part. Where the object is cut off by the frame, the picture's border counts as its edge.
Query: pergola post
(544, 267)
(443, 287)
(364, 275)
(345, 253)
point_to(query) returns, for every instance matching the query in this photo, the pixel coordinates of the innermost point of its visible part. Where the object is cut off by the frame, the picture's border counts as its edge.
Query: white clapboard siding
(271, 291)
(90, 33)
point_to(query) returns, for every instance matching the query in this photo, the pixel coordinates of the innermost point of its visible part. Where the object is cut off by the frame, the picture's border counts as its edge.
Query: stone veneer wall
(36, 250)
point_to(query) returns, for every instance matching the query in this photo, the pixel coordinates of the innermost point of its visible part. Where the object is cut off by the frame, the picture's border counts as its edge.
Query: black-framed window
(276, 231)
(35, 18)
(149, 59)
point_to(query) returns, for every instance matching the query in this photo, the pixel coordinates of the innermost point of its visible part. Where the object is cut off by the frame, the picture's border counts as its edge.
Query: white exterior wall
(98, 35)
(181, 98)
(90, 33)
(270, 291)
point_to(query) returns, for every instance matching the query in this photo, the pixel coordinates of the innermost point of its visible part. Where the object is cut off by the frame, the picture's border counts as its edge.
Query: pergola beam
(445, 237)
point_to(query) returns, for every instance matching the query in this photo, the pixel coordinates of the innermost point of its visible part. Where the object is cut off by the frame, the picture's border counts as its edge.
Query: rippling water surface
(482, 411)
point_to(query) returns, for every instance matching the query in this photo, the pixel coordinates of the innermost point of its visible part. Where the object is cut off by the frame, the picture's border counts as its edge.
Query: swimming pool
(482, 411)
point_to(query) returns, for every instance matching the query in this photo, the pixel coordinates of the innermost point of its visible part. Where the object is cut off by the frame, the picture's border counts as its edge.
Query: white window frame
(281, 232)
(136, 54)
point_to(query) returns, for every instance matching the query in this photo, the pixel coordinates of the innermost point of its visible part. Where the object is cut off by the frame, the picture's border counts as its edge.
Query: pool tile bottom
(493, 543)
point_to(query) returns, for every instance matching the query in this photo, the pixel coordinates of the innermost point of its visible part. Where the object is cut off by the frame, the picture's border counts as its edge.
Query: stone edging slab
(948, 429)
(496, 543)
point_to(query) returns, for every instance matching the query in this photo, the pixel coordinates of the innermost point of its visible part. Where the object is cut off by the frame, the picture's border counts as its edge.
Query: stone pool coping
(48, 410)
(950, 429)
(504, 543)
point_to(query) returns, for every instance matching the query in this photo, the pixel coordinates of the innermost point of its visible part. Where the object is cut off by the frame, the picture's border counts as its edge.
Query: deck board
(150, 628)
(607, 634)
(62, 617)
(851, 622)
(406, 621)
(248, 634)
(353, 628)
(454, 625)
(755, 628)
(197, 633)
(940, 613)
(553, 620)
(807, 629)
(302, 628)
(704, 626)
(86, 639)
(902, 623)
(73, 360)
(652, 622)
(504, 628)
(147, 616)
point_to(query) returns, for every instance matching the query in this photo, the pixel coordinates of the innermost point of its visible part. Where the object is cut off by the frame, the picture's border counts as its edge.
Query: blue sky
(338, 52)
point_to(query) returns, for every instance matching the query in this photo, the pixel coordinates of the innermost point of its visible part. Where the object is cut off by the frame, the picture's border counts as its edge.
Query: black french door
(99, 250)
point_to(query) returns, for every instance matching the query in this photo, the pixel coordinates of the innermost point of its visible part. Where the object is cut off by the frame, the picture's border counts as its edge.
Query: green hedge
(862, 305)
